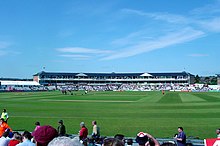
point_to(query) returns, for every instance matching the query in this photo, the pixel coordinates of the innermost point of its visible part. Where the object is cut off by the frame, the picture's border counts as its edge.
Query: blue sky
(109, 36)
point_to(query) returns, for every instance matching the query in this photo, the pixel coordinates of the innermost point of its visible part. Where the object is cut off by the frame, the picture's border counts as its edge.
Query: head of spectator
(180, 129)
(61, 141)
(112, 142)
(44, 134)
(37, 123)
(129, 142)
(141, 138)
(26, 135)
(2, 121)
(82, 124)
(17, 136)
(60, 122)
(120, 137)
(218, 133)
(94, 123)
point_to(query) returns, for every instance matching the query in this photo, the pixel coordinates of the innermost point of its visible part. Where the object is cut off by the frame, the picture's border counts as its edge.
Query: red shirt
(83, 133)
(13, 142)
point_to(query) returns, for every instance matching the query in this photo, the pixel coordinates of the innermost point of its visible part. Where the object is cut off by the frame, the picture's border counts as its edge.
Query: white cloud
(76, 56)
(198, 55)
(82, 53)
(83, 50)
(183, 29)
(209, 21)
(171, 18)
(177, 29)
(212, 25)
(131, 39)
(207, 9)
(182, 36)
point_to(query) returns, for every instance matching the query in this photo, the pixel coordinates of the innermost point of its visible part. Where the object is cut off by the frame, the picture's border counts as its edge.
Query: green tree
(213, 81)
(197, 79)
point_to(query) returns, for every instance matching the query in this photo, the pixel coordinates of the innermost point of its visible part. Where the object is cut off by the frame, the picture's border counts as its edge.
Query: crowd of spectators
(138, 87)
(46, 135)
(114, 87)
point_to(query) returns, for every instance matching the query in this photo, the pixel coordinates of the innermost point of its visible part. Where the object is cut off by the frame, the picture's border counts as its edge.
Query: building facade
(58, 78)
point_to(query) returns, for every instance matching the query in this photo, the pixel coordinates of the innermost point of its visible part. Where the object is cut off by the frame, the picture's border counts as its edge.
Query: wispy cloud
(212, 25)
(176, 29)
(83, 50)
(82, 53)
(185, 29)
(182, 36)
(73, 56)
(207, 9)
(198, 55)
(171, 18)
(131, 39)
(4, 45)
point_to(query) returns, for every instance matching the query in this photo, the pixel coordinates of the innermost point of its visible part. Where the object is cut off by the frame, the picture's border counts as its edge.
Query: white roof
(29, 83)
(146, 74)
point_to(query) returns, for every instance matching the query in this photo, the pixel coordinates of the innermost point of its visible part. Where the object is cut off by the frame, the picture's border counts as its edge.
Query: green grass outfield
(117, 112)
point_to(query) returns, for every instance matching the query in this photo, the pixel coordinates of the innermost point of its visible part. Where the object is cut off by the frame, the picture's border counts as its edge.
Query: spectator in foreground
(37, 124)
(120, 137)
(181, 137)
(4, 140)
(95, 131)
(16, 139)
(83, 133)
(218, 133)
(3, 126)
(145, 139)
(44, 135)
(112, 142)
(26, 139)
(62, 141)
(129, 142)
(61, 128)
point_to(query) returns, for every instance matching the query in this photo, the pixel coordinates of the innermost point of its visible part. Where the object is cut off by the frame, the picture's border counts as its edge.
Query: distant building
(58, 78)
(16, 85)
